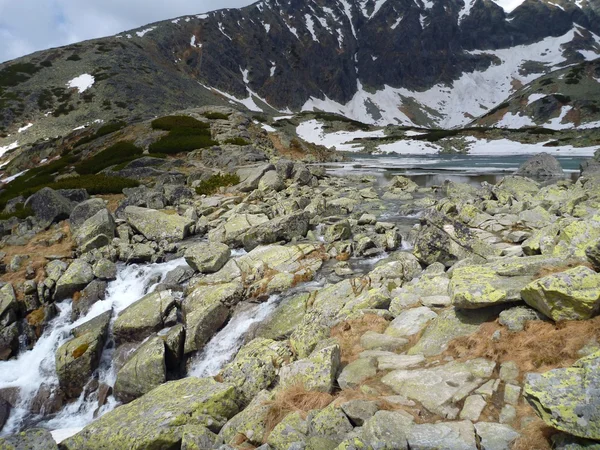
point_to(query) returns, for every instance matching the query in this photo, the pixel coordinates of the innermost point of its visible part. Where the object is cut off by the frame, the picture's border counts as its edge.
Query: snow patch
(556, 5)
(410, 147)
(269, 128)
(292, 29)
(8, 148)
(143, 32)
(508, 5)
(26, 127)
(506, 147)
(13, 177)
(556, 123)
(511, 120)
(348, 12)
(82, 82)
(222, 30)
(466, 10)
(202, 16)
(396, 23)
(267, 27)
(534, 98)
(310, 25)
(312, 131)
(273, 68)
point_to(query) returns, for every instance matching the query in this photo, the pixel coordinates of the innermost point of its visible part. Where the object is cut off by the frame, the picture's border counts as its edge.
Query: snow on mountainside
(437, 63)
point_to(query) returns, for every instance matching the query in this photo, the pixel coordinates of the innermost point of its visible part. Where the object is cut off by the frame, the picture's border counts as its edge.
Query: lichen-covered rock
(495, 436)
(284, 320)
(78, 358)
(105, 270)
(144, 371)
(356, 372)
(387, 430)
(156, 225)
(570, 295)
(84, 210)
(251, 176)
(205, 310)
(316, 373)
(403, 184)
(568, 399)
(410, 322)
(197, 437)
(159, 418)
(515, 188)
(144, 317)
(515, 318)
(76, 277)
(331, 423)
(271, 181)
(451, 435)
(49, 206)
(339, 231)
(439, 388)
(255, 367)
(399, 268)
(207, 257)
(251, 422)
(236, 225)
(542, 165)
(285, 228)
(8, 305)
(593, 255)
(293, 428)
(95, 232)
(359, 411)
(32, 439)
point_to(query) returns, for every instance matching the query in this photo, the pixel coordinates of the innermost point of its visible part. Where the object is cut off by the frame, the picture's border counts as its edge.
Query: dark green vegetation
(210, 186)
(121, 152)
(96, 184)
(185, 134)
(216, 116)
(110, 127)
(339, 118)
(17, 73)
(20, 212)
(236, 141)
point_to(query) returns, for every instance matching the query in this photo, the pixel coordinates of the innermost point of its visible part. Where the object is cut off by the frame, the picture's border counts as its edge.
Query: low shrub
(216, 116)
(169, 123)
(236, 141)
(210, 186)
(21, 212)
(116, 154)
(109, 128)
(96, 184)
(180, 142)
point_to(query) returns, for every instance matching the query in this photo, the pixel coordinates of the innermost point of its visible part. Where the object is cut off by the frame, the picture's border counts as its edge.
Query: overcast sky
(30, 25)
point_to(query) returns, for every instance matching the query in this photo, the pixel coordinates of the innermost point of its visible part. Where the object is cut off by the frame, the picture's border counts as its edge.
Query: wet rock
(92, 293)
(284, 320)
(156, 225)
(570, 295)
(542, 165)
(47, 400)
(84, 210)
(49, 206)
(105, 270)
(77, 359)
(144, 317)
(158, 418)
(145, 370)
(76, 277)
(568, 399)
(207, 257)
(4, 412)
(9, 341)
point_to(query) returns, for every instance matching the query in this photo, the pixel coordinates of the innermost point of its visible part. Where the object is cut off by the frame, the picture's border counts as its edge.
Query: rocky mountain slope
(442, 62)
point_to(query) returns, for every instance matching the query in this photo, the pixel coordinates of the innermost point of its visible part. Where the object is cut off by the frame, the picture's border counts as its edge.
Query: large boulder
(570, 295)
(8, 305)
(159, 418)
(450, 435)
(49, 206)
(542, 165)
(76, 277)
(157, 225)
(95, 232)
(251, 176)
(252, 422)
(235, 226)
(255, 367)
(144, 317)
(283, 228)
(31, 439)
(386, 430)
(144, 371)
(77, 359)
(568, 399)
(515, 188)
(316, 373)
(207, 257)
(441, 239)
(84, 210)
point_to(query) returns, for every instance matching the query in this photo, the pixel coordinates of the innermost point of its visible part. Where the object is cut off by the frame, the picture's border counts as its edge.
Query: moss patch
(116, 154)
(210, 186)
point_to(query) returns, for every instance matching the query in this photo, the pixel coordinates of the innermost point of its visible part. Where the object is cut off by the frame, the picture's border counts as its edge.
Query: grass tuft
(212, 185)
(115, 154)
(169, 123)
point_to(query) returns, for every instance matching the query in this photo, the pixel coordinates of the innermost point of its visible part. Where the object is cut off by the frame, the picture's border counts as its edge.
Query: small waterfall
(225, 344)
(37, 366)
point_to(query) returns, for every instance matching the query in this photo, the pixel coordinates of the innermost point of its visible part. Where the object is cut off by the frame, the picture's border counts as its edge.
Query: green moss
(109, 128)
(169, 123)
(210, 186)
(216, 116)
(20, 213)
(116, 154)
(236, 141)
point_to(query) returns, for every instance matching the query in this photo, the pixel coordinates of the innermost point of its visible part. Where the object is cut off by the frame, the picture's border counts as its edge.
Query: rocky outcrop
(541, 166)
(156, 225)
(207, 257)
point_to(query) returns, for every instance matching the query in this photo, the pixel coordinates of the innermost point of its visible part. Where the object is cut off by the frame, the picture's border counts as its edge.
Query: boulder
(315, 373)
(355, 373)
(339, 231)
(271, 181)
(105, 269)
(144, 371)
(8, 305)
(207, 257)
(205, 310)
(495, 436)
(359, 411)
(76, 277)
(236, 226)
(576, 238)
(439, 388)
(78, 358)
(568, 399)
(291, 430)
(252, 422)
(450, 435)
(255, 367)
(410, 322)
(144, 317)
(9, 341)
(84, 210)
(159, 418)
(515, 318)
(49, 206)
(284, 228)
(95, 232)
(285, 318)
(197, 438)
(156, 225)
(403, 184)
(330, 423)
(251, 176)
(92, 293)
(387, 430)
(33, 438)
(541, 166)
(593, 255)
(570, 295)
(515, 188)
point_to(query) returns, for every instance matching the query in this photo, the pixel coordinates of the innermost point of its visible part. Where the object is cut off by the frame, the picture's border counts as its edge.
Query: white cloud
(31, 25)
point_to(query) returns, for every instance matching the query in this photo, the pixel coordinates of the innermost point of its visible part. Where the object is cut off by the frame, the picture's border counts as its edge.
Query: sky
(27, 26)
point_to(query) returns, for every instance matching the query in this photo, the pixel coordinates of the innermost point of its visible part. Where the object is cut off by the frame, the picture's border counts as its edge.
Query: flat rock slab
(157, 225)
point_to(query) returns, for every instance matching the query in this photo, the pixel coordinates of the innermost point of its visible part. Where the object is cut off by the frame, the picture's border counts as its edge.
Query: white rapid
(224, 345)
(37, 366)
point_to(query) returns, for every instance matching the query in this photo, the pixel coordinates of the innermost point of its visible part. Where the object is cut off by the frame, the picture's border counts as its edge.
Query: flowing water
(36, 367)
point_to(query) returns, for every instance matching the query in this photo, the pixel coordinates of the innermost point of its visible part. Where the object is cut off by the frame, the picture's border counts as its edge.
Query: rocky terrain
(359, 315)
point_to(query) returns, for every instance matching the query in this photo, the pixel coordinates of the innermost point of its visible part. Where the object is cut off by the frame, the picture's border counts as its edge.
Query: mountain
(414, 62)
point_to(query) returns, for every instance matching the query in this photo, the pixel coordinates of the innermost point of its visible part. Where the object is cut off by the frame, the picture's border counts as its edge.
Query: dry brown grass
(541, 346)
(348, 334)
(535, 436)
(38, 250)
(550, 270)
(292, 399)
(113, 201)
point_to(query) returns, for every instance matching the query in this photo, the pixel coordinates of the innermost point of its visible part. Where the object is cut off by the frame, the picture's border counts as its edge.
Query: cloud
(31, 25)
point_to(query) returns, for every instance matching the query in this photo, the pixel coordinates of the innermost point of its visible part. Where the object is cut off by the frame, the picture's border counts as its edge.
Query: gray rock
(515, 318)
(105, 269)
(508, 414)
(473, 407)
(284, 228)
(542, 165)
(372, 340)
(509, 371)
(207, 257)
(359, 411)
(450, 435)
(495, 436)
(250, 176)
(271, 181)
(92, 293)
(49, 206)
(387, 430)
(410, 322)
(316, 373)
(76, 277)
(95, 232)
(31, 439)
(156, 225)
(356, 372)
(339, 231)
(8, 305)
(84, 210)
